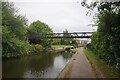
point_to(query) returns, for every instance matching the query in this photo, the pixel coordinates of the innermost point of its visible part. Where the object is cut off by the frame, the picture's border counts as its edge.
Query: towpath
(81, 68)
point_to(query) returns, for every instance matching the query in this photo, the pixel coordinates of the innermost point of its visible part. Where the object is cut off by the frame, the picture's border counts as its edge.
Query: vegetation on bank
(107, 70)
(15, 33)
(60, 46)
(14, 39)
(74, 49)
(105, 41)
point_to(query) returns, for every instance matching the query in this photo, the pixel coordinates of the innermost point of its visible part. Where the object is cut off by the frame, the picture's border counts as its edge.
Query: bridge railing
(64, 35)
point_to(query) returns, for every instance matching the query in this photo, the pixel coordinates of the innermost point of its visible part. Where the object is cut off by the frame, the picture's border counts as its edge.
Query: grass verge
(106, 70)
(60, 46)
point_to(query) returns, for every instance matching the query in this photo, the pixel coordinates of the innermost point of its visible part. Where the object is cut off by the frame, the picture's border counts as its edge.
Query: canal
(42, 65)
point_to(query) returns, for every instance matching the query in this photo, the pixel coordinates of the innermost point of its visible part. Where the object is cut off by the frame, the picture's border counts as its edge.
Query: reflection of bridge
(63, 35)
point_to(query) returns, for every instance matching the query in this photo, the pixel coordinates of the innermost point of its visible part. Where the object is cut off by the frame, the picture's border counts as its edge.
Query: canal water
(43, 65)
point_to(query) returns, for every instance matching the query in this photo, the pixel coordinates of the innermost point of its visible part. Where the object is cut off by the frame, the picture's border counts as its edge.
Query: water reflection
(43, 65)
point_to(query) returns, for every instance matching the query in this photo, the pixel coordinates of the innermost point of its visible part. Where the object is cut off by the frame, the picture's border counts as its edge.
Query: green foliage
(67, 41)
(61, 46)
(105, 42)
(12, 46)
(14, 40)
(11, 19)
(64, 41)
(38, 27)
(38, 48)
(56, 42)
(15, 33)
(107, 70)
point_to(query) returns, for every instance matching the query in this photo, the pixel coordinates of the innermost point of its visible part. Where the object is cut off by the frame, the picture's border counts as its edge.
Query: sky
(58, 14)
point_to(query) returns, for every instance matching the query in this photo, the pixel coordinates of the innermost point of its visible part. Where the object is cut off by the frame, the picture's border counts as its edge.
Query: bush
(12, 46)
(38, 48)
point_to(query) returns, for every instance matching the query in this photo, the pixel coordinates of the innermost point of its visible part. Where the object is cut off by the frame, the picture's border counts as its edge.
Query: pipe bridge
(63, 35)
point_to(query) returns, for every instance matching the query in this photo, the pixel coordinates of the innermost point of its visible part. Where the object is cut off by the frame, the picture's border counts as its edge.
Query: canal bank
(78, 67)
(67, 68)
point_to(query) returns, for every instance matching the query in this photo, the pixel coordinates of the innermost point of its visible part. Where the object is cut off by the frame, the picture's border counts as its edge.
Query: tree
(38, 27)
(105, 42)
(13, 20)
(14, 40)
(66, 41)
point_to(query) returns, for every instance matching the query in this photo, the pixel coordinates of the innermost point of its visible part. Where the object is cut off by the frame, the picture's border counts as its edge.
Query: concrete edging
(67, 68)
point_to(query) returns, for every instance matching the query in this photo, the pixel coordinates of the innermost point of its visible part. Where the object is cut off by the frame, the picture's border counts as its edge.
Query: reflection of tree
(67, 55)
(40, 62)
(13, 68)
(35, 63)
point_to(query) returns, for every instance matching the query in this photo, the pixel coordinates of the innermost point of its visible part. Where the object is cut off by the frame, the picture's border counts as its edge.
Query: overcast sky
(58, 14)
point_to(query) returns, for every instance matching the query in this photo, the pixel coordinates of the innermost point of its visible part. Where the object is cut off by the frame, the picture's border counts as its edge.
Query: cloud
(58, 15)
(44, 0)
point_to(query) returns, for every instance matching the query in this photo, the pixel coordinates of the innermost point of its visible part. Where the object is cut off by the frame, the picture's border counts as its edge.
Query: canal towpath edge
(78, 67)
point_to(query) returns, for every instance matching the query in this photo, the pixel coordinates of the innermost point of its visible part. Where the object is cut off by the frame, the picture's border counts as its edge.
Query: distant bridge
(63, 35)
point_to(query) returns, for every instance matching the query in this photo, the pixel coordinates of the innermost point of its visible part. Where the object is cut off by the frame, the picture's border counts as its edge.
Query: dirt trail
(81, 68)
